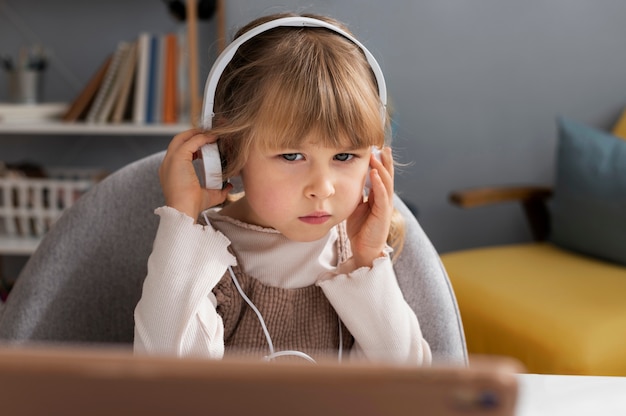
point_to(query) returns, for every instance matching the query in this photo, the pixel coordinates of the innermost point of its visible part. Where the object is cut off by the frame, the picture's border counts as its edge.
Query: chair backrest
(84, 280)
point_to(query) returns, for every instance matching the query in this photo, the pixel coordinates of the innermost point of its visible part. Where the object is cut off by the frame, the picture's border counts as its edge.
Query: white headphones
(210, 153)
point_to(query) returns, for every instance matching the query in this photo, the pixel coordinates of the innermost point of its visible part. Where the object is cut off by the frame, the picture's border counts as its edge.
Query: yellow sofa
(557, 304)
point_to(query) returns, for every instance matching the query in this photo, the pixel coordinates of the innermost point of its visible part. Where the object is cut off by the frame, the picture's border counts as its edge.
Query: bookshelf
(86, 129)
(78, 133)
(76, 124)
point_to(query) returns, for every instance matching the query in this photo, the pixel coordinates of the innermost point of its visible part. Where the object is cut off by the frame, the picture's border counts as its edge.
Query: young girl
(299, 264)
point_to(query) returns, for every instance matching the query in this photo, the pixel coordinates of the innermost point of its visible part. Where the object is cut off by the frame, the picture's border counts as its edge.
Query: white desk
(554, 395)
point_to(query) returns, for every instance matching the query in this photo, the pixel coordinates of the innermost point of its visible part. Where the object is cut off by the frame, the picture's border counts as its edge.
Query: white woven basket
(29, 206)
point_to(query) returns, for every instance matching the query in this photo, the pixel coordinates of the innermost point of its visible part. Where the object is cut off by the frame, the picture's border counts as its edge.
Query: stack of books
(144, 81)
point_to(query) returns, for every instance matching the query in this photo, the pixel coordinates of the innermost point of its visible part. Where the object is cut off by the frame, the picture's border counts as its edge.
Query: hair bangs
(315, 94)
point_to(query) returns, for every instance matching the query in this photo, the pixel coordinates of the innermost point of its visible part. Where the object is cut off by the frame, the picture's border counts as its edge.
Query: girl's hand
(180, 184)
(368, 226)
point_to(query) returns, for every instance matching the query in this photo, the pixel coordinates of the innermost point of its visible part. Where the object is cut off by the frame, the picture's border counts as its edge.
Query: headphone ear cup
(212, 162)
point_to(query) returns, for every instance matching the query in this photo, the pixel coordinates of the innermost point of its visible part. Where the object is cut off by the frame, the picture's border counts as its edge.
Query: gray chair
(82, 283)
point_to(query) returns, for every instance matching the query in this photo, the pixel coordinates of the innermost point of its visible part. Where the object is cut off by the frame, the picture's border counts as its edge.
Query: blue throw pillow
(589, 204)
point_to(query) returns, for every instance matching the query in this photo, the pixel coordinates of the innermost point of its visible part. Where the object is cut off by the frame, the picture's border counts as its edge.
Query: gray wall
(476, 86)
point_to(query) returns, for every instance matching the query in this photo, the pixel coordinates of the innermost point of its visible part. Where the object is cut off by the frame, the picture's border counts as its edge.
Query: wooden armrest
(532, 198)
(469, 198)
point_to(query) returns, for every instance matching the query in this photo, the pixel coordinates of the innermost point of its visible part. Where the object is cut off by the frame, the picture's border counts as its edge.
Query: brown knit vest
(297, 319)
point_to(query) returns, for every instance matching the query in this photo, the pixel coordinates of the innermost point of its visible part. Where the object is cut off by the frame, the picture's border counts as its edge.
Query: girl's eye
(344, 157)
(291, 157)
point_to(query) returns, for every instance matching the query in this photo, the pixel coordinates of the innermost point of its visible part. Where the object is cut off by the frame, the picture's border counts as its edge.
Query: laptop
(95, 381)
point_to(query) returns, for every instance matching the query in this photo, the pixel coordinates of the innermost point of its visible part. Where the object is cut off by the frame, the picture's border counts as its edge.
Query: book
(107, 84)
(182, 85)
(152, 76)
(127, 76)
(79, 107)
(19, 113)
(159, 80)
(145, 81)
(170, 83)
(106, 110)
(141, 78)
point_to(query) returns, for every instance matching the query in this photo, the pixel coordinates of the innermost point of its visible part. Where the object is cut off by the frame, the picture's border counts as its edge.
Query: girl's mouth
(315, 218)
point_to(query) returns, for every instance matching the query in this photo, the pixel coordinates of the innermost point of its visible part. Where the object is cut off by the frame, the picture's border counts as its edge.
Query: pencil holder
(25, 86)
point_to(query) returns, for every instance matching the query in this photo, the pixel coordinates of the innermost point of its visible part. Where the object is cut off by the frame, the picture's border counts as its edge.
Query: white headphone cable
(340, 353)
(273, 354)
(254, 308)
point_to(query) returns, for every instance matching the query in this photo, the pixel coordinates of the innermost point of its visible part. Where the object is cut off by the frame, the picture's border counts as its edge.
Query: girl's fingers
(191, 140)
(182, 137)
(387, 160)
(216, 196)
(380, 192)
(385, 171)
(385, 164)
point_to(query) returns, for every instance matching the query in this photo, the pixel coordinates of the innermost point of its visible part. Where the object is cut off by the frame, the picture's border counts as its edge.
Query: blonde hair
(288, 83)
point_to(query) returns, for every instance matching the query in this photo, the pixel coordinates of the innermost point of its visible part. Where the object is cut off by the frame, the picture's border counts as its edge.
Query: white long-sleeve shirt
(177, 315)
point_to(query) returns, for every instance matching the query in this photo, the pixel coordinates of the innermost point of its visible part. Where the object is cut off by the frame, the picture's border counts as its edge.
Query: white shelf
(15, 246)
(124, 129)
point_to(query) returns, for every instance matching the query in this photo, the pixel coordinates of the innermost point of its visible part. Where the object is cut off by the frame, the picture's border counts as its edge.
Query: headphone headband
(227, 55)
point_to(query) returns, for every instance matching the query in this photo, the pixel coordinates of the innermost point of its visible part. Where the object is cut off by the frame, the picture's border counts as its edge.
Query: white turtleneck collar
(267, 255)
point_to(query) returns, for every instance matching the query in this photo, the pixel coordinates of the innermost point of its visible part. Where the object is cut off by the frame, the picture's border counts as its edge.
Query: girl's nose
(320, 186)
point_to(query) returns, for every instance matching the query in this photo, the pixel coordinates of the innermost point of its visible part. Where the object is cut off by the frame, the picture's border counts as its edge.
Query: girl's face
(302, 192)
